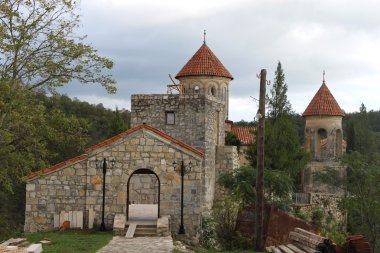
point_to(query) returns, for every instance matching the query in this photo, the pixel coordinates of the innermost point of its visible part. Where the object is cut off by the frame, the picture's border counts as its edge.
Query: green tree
(117, 124)
(22, 145)
(241, 183)
(362, 193)
(39, 47)
(359, 134)
(232, 140)
(278, 103)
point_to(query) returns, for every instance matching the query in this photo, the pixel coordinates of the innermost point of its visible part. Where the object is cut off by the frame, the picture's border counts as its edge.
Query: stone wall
(227, 160)
(78, 186)
(199, 122)
(64, 190)
(310, 185)
(143, 189)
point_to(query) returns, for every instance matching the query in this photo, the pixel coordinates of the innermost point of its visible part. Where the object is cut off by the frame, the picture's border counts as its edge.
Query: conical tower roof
(323, 104)
(204, 63)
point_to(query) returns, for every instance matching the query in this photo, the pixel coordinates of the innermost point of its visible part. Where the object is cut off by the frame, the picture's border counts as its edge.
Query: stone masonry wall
(227, 160)
(64, 190)
(199, 122)
(143, 189)
(79, 186)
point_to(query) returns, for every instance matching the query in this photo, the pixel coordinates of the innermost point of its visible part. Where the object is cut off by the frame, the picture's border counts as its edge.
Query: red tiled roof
(323, 104)
(109, 141)
(204, 63)
(57, 166)
(244, 133)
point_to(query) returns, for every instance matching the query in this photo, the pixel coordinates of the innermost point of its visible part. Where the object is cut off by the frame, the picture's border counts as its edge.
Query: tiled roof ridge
(323, 104)
(109, 141)
(244, 133)
(204, 63)
(57, 166)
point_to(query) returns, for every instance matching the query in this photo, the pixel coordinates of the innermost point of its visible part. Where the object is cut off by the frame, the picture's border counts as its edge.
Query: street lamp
(183, 171)
(104, 163)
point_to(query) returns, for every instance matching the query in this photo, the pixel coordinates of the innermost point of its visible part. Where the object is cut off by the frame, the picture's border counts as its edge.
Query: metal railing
(301, 198)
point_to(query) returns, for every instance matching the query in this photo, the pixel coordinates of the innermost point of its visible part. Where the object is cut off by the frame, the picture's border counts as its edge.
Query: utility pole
(260, 164)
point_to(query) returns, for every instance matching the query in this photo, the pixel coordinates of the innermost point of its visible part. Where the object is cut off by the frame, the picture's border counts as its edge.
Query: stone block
(30, 187)
(80, 172)
(40, 220)
(121, 198)
(68, 171)
(34, 248)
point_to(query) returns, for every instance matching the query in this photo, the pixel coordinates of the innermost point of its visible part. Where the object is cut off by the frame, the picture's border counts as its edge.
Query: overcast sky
(149, 39)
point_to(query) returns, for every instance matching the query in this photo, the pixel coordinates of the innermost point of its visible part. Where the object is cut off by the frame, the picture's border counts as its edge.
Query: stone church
(166, 129)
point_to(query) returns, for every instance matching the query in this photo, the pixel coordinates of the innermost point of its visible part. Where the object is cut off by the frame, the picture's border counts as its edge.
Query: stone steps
(137, 230)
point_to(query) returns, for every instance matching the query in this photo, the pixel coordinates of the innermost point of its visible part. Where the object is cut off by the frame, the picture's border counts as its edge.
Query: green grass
(72, 241)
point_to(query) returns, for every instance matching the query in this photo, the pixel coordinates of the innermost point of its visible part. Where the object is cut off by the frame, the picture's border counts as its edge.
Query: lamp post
(105, 165)
(183, 171)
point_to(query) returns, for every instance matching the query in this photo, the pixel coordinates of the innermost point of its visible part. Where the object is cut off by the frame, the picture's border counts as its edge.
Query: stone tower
(323, 129)
(205, 74)
(323, 137)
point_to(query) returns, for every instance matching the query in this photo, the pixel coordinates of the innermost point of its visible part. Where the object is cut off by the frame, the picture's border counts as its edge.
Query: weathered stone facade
(78, 186)
(166, 128)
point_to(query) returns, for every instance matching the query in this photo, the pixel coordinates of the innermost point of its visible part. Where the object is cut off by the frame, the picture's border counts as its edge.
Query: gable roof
(204, 63)
(323, 104)
(110, 141)
(244, 133)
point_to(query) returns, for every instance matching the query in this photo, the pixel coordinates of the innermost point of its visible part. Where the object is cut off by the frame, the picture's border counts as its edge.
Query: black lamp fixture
(182, 170)
(104, 163)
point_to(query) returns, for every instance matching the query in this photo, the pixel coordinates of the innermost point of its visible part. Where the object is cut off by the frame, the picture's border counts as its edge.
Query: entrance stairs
(135, 229)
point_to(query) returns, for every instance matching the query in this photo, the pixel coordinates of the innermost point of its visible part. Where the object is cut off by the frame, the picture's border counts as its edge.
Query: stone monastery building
(167, 129)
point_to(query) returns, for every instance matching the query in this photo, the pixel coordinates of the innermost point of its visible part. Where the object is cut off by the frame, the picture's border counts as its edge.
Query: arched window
(213, 91)
(224, 93)
(196, 89)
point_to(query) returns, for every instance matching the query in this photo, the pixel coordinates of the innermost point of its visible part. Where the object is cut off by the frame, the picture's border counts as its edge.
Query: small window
(224, 93)
(213, 91)
(170, 118)
(196, 89)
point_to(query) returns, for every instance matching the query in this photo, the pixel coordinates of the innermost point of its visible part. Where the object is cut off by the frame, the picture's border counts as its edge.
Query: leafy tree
(242, 182)
(362, 193)
(283, 151)
(22, 145)
(117, 124)
(278, 103)
(39, 47)
(359, 134)
(232, 140)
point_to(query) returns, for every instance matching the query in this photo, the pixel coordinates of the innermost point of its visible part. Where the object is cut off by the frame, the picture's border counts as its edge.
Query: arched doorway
(143, 195)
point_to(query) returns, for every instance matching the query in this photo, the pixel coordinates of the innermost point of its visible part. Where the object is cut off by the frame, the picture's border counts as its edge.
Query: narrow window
(170, 118)
(196, 89)
(213, 91)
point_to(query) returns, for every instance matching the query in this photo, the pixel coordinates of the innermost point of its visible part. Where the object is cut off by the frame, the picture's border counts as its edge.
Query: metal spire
(204, 36)
(324, 76)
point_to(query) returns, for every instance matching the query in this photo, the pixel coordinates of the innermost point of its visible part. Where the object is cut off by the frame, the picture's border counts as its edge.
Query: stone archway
(143, 195)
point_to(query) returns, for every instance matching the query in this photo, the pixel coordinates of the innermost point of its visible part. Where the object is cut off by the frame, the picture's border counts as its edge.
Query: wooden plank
(309, 234)
(56, 221)
(91, 217)
(276, 250)
(294, 236)
(80, 219)
(131, 230)
(285, 249)
(74, 225)
(295, 248)
(71, 219)
(306, 248)
(61, 218)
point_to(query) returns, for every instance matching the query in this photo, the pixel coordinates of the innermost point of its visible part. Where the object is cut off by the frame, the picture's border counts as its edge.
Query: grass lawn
(70, 241)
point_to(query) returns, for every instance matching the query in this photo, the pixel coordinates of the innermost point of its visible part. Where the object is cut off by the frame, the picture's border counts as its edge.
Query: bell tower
(204, 74)
(323, 129)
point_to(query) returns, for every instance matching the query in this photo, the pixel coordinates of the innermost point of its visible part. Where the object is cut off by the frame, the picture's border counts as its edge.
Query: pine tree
(278, 103)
